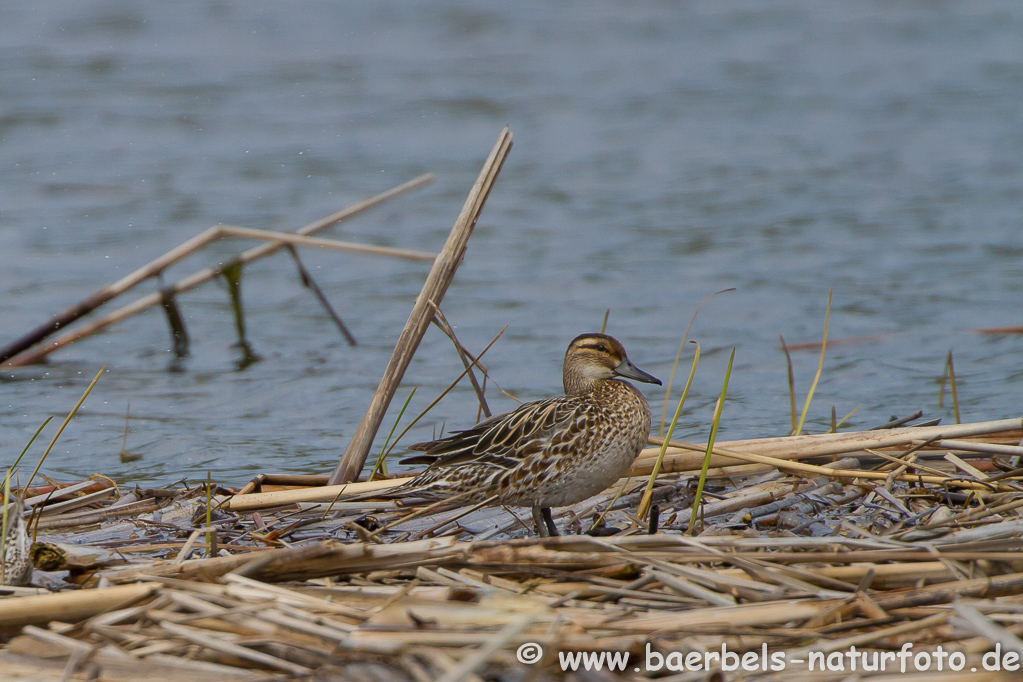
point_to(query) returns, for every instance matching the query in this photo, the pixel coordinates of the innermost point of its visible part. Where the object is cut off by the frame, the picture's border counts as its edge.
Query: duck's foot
(548, 520)
(539, 524)
(544, 522)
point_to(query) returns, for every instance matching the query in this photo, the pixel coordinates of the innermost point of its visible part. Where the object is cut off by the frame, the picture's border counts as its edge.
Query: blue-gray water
(663, 151)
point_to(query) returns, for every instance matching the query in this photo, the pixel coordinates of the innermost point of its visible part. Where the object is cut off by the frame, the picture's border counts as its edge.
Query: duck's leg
(540, 522)
(549, 522)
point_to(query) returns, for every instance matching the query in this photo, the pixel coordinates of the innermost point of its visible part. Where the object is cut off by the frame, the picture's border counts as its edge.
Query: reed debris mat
(839, 550)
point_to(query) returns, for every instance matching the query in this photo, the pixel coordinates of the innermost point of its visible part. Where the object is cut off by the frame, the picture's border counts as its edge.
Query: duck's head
(594, 357)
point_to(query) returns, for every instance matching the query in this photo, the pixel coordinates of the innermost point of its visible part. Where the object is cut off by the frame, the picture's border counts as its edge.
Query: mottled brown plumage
(17, 558)
(547, 453)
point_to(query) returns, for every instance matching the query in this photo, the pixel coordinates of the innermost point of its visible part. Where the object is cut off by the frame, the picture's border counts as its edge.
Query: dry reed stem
(443, 271)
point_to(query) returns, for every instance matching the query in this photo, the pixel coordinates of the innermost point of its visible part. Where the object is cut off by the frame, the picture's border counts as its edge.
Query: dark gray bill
(630, 371)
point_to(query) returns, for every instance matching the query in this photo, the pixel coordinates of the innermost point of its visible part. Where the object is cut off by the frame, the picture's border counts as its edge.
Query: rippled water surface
(663, 151)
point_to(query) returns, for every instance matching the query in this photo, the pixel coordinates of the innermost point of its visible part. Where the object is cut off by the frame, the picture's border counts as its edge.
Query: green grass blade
(792, 384)
(380, 467)
(30, 441)
(952, 385)
(844, 419)
(678, 356)
(474, 363)
(710, 447)
(644, 503)
(820, 368)
(67, 420)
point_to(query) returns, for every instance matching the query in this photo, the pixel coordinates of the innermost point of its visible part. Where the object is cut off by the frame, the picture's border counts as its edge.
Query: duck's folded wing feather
(501, 440)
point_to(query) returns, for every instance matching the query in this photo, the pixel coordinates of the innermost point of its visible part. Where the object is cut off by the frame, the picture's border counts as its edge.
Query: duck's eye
(601, 347)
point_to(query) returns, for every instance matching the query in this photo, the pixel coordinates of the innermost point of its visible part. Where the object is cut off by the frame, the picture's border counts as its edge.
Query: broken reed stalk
(447, 390)
(449, 331)
(18, 354)
(441, 274)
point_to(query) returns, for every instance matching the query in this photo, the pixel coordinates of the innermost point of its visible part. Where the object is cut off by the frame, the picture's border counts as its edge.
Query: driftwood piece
(60, 556)
(443, 271)
(70, 606)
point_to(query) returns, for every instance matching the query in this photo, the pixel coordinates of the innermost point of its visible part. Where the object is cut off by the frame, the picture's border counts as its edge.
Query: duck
(546, 453)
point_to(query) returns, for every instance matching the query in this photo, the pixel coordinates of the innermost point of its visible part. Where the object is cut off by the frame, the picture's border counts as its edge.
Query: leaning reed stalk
(710, 446)
(644, 503)
(67, 420)
(442, 322)
(820, 368)
(30, 441)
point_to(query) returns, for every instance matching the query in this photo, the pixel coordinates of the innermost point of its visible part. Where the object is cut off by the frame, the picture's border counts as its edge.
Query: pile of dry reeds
(901, 536)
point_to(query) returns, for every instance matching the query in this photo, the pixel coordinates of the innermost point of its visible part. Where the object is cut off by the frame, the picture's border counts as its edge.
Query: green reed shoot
(380, 468)
(603, 325)
(844, 419)
(820, 368)
(644, 503)
(950, 375)
(678, 356)
(710, 447)
(792, 384)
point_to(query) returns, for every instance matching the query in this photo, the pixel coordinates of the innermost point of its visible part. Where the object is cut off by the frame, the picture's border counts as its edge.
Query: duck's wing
(502, 440)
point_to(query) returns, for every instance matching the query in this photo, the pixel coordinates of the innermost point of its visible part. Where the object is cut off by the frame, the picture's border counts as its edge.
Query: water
(662, 152)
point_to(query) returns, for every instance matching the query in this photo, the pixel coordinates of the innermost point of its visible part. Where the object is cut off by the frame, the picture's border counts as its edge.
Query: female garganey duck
(546, 453)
